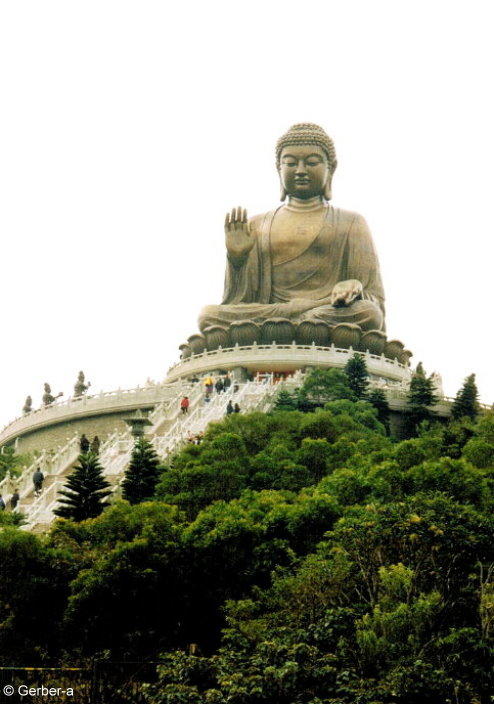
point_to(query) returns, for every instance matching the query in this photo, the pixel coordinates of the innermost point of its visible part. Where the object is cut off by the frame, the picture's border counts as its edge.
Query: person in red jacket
(184, 404)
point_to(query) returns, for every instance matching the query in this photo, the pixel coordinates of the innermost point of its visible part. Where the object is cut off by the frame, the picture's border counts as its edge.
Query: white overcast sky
(129, 128)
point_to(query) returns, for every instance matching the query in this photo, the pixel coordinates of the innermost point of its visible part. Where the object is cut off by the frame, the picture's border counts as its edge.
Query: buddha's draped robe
(335, 245)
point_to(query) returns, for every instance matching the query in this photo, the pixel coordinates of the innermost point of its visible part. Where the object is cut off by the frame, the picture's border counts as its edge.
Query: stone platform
(285, 359)
(50, 427)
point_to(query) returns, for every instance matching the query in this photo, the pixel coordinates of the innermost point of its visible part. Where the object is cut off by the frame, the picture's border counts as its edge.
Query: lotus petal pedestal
(404, 357)
(185, 351)
(244, 333)
(346, 335)
(216, 336)
(393, 349)
(310, 331)
(374, 341)
(279, 330)
(197, 343)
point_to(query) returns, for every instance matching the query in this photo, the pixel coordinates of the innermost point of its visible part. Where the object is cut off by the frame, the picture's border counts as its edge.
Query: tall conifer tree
(85, 491)
(378, 399)
(285, 401)
(466, 400)
(421, 397)
(358, 376)
(142, 473)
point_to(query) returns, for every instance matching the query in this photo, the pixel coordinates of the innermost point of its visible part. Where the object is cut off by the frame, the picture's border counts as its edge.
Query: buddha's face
(304, 170)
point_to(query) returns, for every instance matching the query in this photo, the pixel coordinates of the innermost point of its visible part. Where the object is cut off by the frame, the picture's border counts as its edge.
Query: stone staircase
(56, 466)
(170, 430)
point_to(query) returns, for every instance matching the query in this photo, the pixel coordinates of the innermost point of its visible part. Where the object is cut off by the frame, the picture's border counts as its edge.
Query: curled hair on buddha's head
(307, 133)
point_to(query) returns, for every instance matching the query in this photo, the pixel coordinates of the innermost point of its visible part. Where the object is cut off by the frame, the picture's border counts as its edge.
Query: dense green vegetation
(309, 557)
(11, 462)
(142, 473)
(85, 490)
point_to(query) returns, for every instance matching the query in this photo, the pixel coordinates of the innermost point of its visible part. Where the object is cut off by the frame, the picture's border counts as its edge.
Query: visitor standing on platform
(14, 500)
(84, 445)
(38, 479)
(219, 386)
(95, 445)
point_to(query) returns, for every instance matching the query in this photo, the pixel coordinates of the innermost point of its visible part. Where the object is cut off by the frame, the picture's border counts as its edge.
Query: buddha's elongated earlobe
(282, 193)
(327, 190)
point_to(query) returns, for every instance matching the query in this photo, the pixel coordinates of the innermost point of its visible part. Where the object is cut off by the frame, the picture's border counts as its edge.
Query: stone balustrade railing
(44, 504)
(294, 355)
(194, 422)
(48, 462)
(81, 406)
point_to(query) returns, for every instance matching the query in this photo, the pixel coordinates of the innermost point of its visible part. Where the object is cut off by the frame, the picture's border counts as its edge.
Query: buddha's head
(306, 160)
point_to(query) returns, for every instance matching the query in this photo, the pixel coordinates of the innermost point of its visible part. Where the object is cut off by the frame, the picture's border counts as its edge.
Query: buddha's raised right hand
(239, 241)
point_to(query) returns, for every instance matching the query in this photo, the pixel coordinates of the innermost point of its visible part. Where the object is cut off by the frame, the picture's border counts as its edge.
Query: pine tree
(422, 392)
(466, 400)
(322, 386)
(285, 401)
(378, 399)
(142, 473)
(358, 376)
(85, 491)
(421, 397)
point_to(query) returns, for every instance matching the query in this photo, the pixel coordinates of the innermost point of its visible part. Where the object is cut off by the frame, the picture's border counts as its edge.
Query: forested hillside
(297, 557)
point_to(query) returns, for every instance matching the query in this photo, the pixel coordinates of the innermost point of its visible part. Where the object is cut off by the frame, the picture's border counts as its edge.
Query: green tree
(466, 400)
(11, 462)
(358, 376)
(33, 593)
(285, 401)
(142, 474)
(421, 396)
(377, 398)
(479, 452)
(323, 385)
(85, 492)
(216, 469)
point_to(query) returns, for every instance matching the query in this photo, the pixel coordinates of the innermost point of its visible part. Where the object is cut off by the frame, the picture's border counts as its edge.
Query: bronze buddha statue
(306, 271)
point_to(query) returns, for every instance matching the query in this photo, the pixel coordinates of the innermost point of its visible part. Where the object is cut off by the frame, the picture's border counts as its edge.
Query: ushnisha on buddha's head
(306, 160)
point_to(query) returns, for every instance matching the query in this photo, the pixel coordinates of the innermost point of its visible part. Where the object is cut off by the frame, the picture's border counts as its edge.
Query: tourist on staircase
(184, 405)
(209, 385)
(14, 500)
(84, 444)
(38, 479)
(95, 445)
(219, 386)
(229, 408)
